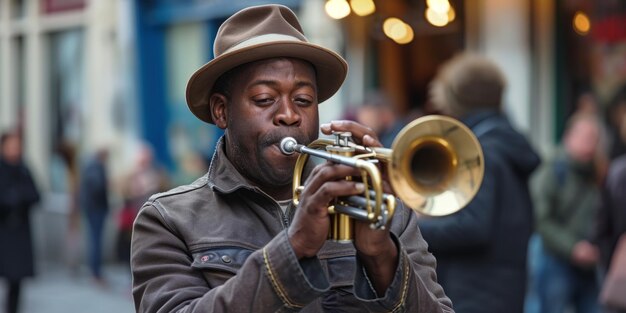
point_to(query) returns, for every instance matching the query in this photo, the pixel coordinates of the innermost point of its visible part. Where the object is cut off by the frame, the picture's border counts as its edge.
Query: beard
(263, 166)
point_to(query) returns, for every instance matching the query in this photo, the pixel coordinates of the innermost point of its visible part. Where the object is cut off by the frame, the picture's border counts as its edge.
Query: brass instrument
(435, 166)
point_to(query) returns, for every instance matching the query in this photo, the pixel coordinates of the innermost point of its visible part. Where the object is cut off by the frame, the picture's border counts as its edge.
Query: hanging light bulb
(337, 9)
(363, 7)
(581, 23)
(451, 15)
(390, 26)
(408, 35)
(398, 30)
(435, 18)
(439, 6)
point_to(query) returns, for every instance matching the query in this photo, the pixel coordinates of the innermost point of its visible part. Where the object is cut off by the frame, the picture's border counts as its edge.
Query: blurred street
(56, 289)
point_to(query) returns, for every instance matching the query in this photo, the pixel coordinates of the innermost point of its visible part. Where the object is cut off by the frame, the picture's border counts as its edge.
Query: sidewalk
(56, 290)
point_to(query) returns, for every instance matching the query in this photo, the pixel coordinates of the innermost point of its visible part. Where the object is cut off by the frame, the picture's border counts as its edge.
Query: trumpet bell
(436, 165)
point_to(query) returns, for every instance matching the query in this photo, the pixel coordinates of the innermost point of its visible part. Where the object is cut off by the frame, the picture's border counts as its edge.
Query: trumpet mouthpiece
(288, 145)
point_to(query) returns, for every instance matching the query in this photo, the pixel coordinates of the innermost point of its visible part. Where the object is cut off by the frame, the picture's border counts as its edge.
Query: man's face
(12, 149)
(270, 99)
(581, 140)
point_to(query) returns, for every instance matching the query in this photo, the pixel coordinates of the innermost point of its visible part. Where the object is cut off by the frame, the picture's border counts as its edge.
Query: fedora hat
(258, 33)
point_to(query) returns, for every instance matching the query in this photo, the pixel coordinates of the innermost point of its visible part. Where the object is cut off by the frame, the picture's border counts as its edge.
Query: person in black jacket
(481, 249)
(18, 194)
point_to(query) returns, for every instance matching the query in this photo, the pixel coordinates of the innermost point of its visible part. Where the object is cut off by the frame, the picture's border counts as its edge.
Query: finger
(319, 200)
(370, 141)
(326, 129)
(329, 172)
(358, 130)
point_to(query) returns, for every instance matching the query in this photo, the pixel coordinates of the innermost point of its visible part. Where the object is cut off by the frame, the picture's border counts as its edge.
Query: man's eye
(264, 101)
(302, 101)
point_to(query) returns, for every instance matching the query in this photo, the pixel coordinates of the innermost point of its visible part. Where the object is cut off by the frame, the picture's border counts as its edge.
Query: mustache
(274, 138)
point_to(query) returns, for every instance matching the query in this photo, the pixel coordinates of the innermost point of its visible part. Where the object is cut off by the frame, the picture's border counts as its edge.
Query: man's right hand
(309, 229)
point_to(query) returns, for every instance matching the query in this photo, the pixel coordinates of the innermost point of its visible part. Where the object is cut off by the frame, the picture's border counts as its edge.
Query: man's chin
(283, 176)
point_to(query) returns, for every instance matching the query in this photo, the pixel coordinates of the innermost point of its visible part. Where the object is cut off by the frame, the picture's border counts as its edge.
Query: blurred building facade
(113, 72)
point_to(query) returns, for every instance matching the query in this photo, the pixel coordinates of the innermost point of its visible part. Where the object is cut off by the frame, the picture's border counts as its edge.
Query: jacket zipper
(285, 215)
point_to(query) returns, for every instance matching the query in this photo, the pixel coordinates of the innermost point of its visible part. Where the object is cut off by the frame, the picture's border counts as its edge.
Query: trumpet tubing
(435, 166)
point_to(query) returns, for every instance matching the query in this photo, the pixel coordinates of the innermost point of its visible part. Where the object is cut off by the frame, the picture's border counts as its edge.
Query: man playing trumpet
(233, 240)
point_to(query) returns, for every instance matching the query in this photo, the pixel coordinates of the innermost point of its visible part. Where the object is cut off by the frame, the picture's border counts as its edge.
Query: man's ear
(218, 106)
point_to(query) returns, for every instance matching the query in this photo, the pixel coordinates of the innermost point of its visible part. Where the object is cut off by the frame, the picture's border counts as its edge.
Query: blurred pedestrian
(145, 179)
(377, 113)
(481, 249)
(566, 196)
(94, 203)
(67, 153)
(611, 217)
(616, 113)
(18, 195)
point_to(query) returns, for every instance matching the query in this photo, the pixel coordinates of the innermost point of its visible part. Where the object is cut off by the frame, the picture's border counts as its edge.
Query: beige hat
(258, 33)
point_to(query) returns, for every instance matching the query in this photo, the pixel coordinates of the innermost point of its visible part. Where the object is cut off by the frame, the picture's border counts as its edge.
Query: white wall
(504, 37)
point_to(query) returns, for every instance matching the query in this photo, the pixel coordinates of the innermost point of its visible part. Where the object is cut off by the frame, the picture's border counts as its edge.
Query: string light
(363, 7)
(439, 6)
(436, 18)
(451, 15)
(337, 9)
(398, 30)
(439, 12)
(581, 23)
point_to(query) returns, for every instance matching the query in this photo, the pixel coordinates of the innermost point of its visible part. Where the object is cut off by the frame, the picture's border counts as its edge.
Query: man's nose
(287, 114)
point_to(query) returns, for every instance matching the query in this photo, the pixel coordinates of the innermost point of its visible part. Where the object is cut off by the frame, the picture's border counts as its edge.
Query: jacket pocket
(220, 263)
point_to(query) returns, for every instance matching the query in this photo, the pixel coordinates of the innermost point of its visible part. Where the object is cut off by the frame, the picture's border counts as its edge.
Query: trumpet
(435, 166)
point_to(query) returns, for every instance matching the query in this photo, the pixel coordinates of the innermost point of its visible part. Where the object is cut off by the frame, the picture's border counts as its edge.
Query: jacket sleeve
(164, 281)
(471, 227)
(414, 287)
(554, 235)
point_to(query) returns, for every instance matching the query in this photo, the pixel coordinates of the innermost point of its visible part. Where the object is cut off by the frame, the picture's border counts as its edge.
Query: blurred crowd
(539, 236)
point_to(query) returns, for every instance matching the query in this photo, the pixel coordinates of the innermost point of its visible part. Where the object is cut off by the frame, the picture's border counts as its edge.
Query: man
(567, 196)
(233, 240)
(93, 197)
(481, 250)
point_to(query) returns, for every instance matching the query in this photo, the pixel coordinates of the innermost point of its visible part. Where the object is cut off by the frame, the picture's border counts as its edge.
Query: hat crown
(259, 23)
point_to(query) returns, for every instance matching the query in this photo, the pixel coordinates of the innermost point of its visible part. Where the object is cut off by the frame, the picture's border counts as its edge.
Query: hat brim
(331, 70)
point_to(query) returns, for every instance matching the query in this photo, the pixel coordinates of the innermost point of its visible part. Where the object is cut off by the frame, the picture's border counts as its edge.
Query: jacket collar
(223, 176)
(474, 118)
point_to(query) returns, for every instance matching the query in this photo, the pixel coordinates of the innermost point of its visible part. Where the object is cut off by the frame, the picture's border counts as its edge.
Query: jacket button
(226, 259)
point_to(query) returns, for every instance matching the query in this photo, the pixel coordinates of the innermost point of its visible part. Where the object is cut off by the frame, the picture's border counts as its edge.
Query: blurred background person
(18, 195)
(377, 113)
(66, 152)
(616, 114)
(481, 249)
(611, 216)
(94, 203)
(192, 165)
(145, 179)
(566, 196)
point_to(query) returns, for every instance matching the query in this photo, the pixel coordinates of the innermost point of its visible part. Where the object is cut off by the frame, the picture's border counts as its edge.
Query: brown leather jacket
(220, 245)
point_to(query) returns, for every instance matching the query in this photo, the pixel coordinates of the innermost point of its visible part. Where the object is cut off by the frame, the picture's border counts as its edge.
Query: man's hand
(310, 225)
(375, 247)
(585, 254)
